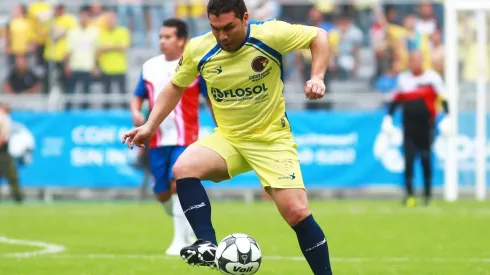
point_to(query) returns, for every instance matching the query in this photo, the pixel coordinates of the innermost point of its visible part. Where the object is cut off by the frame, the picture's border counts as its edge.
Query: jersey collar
(246, 38)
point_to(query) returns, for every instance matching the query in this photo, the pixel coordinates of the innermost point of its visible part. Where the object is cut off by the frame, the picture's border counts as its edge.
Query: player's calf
(293, 206)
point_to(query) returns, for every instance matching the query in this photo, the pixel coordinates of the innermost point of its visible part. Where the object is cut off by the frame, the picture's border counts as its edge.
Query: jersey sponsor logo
(259, 63)
(239, 94)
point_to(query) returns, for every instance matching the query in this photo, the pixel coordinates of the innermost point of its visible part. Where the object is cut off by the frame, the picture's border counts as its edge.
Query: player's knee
(163, 196)
(181, 170)
(296, 213)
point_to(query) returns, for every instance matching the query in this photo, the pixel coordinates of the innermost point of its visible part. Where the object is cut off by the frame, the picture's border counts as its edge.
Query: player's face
(416, 62)
(229, 30)
(84, 18)
(170, 44)
(410, 22)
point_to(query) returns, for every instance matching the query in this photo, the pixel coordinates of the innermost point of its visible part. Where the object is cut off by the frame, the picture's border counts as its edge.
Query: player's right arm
(168, 99)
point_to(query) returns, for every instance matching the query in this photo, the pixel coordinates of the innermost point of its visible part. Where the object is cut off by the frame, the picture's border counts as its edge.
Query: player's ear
(245, 18)
(182, 42)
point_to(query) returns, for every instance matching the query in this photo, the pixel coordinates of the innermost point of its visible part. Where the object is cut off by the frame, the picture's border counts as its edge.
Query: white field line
(266, 258)
(51, 251)
(47, 248)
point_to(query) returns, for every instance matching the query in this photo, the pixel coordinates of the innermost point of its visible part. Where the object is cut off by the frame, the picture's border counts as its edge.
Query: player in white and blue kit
(179, 130)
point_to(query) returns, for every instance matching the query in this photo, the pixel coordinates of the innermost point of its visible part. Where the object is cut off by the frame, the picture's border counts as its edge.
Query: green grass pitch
(365, 237)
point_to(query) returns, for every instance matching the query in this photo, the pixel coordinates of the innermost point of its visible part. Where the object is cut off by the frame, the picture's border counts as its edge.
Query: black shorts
(418, 136)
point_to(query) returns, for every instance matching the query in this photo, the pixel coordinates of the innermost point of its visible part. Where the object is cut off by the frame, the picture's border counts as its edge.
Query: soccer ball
(238, 254)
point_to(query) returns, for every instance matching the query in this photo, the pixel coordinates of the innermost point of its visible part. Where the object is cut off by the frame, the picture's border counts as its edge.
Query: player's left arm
(292, 37)
(446, 124)
(439, 87)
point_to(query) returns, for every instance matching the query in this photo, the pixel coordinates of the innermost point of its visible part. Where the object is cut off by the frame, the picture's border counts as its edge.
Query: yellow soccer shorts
(276, 163)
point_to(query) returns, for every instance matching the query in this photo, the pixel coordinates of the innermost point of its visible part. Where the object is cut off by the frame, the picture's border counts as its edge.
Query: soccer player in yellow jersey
(241, 63)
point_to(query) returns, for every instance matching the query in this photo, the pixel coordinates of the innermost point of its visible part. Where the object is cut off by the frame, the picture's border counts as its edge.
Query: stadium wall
(338, 150)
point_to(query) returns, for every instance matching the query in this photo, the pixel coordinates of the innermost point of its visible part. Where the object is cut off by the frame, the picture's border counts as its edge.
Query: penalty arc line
(267, 258)
(47, 248)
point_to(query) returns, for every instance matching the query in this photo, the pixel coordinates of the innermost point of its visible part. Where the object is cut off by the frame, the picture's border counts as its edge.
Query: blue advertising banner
(336, 149)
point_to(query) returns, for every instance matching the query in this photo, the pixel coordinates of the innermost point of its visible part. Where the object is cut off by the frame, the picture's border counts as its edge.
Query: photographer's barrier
(336, 149)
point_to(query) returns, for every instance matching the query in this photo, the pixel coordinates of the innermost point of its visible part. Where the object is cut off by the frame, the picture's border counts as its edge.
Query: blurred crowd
(74, 47)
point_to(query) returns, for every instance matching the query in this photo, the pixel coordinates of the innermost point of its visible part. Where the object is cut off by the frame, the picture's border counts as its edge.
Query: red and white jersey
(181, 127)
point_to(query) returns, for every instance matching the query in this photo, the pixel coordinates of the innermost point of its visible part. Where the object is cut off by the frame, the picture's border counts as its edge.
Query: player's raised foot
(201, 253)
(410, 202)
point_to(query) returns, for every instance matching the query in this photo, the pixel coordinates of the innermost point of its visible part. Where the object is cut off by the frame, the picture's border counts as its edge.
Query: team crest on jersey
(259, 63)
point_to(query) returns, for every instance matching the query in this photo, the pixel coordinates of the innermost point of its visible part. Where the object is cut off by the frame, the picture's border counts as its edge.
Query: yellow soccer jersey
(246, 86)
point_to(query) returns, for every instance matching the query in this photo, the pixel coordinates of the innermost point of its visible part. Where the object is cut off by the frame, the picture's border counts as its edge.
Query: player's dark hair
(180, 25)
(218, 7)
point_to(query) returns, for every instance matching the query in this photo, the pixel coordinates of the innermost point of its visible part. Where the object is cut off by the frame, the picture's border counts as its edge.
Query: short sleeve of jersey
(186, 70)
(291, 37)
(203, 88)
(140, 90)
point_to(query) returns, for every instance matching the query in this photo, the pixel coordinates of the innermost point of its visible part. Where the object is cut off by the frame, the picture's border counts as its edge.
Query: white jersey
(181, 127)
(410, 83)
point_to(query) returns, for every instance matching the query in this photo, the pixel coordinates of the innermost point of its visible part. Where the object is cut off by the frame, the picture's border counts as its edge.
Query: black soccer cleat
(201, 253)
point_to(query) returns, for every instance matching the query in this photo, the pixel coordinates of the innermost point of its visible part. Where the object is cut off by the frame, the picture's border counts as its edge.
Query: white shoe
(174, 249)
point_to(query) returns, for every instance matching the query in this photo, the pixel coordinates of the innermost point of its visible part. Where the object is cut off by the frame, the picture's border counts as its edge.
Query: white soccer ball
(238, 254)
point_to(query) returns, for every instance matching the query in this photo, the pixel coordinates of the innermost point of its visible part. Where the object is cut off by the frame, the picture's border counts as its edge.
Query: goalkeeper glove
(445, 127)
(387, 126)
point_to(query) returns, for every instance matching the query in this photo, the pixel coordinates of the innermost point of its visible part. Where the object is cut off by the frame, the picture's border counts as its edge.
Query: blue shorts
(162, 159)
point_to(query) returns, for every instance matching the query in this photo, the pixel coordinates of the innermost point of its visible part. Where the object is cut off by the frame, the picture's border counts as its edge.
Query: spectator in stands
(317, 19)
(437, 52)
(80, 60)
(263, 10)
(382, 34)
(427, 23)
(40, 13)
(55, 51)
(387, 82)
(415, 41)
(158, 13)
(113, 64)
(21, 79)
(195, 15)
(350, 43)
(19, 35)
(133, 8)
(98, 16)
